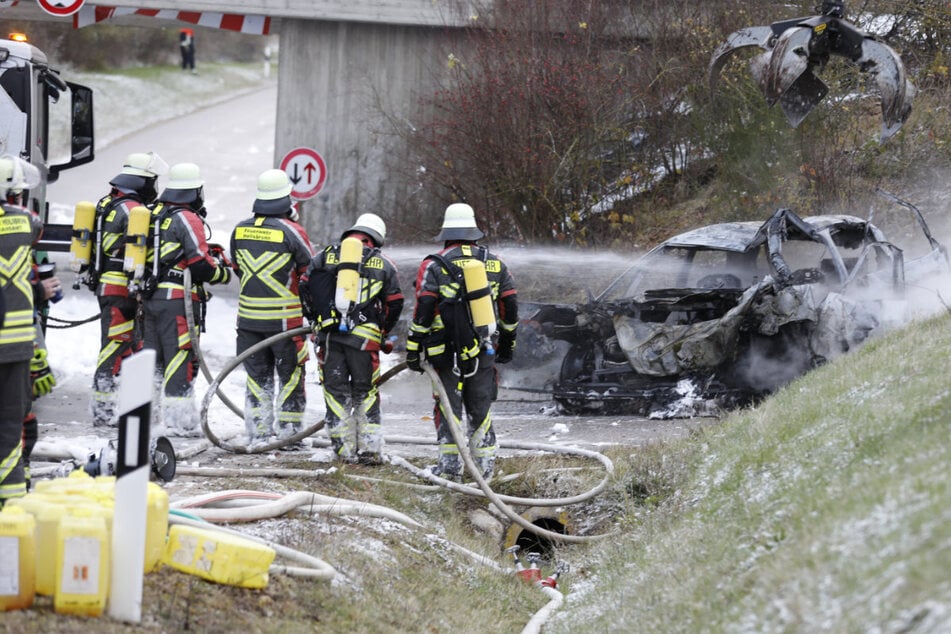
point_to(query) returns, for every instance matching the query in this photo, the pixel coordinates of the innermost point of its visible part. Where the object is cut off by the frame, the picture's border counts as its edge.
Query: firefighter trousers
(176, 364)
(286, 358)
(349, 376)
(118, 340)
(474, 391)
(16, 398)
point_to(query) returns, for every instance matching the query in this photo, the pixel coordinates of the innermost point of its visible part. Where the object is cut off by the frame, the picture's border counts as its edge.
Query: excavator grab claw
(795, 51)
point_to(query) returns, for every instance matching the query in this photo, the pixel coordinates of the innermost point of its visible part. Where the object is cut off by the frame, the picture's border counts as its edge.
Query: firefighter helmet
(459, 224)
(274, 191)
(17, 175)
(371, 225)
(140, 171)
(185, 185)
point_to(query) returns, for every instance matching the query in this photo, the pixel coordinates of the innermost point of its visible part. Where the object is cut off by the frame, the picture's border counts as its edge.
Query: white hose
(281, 504)
(462, 442)
(534, 626)
(256, 505)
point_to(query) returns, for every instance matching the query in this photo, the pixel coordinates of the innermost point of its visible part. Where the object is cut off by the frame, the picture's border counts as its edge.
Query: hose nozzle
(552, 581)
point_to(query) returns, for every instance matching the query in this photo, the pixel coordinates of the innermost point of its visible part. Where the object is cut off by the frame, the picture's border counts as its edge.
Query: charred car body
(720, 315)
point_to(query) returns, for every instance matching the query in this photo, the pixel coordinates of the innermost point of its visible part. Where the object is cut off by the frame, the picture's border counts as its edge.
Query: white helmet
(273, 184)
(140, 171)
(184, 176)
(184, 184)
(17, 175)
(273, 197)
(459, 224)
(144, 164)
(370, 224)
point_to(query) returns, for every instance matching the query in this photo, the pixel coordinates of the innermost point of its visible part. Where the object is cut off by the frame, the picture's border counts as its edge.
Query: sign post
(134, 404)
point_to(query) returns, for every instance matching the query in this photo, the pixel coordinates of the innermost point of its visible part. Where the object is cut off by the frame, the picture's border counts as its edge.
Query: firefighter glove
(40, 374)
(413, 360)
(222, 275)
(506, 347)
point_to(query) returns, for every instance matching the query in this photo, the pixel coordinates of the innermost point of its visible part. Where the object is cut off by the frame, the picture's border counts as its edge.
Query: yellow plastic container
(218, 556)
(98, 494)
(82, 564)
(47, 533)
(17, 557)
(156, 528)
(78, 482)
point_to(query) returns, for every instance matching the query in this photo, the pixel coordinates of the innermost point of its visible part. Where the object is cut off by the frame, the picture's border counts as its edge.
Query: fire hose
(235, 362)
(501, 502)
(462, 442)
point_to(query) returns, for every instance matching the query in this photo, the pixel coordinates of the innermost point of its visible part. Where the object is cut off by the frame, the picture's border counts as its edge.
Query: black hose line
(70, 323)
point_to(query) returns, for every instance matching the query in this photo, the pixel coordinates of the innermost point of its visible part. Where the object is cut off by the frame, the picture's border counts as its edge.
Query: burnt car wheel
(577, 369)
(578, 364)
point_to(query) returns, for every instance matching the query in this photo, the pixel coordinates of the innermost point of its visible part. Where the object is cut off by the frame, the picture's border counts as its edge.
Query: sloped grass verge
(825, 509)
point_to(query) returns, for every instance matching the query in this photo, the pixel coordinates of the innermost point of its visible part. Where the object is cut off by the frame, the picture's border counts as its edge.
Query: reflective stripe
(10, 461)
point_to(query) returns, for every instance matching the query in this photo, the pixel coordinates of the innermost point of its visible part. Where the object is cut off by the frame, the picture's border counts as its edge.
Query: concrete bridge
(342, 63)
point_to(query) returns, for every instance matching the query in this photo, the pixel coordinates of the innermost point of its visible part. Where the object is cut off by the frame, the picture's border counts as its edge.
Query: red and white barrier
(252, 24)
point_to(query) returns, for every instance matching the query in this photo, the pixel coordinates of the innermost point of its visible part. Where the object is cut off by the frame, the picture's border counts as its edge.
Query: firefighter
(134, 185)
(463, 358)
(19, 231)
(271, 252)
(179, 228)
(350, 334)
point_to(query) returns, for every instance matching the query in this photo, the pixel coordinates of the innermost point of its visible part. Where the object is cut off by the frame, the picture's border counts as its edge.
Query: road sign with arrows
(307, 171)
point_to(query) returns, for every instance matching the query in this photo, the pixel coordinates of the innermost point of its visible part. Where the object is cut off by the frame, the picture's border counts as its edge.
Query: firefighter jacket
(379, 300)
(181, 244)
(19, 230)
(436, 286)
(112, 221)
(270, 256)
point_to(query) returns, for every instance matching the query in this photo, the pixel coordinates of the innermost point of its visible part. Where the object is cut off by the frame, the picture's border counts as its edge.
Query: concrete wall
(336, 78)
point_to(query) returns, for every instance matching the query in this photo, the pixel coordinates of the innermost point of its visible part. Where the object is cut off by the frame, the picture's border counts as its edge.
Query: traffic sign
(61, 7)
(307, 171)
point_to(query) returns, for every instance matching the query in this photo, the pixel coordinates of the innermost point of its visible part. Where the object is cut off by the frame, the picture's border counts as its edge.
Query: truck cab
(45, 120)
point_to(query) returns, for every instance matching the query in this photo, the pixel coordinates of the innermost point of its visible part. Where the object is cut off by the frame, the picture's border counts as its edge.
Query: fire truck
(46, 120)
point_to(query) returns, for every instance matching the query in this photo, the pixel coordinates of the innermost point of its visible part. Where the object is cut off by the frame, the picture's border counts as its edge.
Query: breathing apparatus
(136, 243)
(347, 292)
(80, 247)
(479, 300)
(348, 280)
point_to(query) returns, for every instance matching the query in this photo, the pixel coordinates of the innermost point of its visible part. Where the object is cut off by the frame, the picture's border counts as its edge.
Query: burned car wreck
(716, 317)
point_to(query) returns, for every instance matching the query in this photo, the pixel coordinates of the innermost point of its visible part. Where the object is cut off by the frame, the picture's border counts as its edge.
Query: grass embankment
(827, 508)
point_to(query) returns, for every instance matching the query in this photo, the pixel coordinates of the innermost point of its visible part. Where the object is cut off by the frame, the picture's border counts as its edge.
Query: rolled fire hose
(463, 445)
